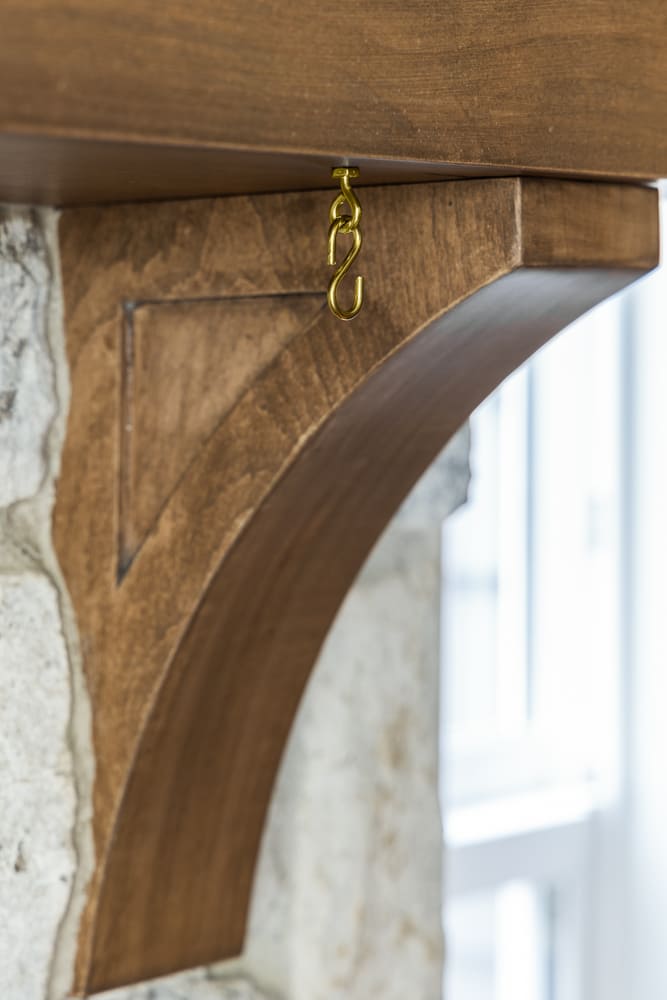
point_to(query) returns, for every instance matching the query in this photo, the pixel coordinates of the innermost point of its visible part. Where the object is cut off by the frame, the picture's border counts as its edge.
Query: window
(500, 941)
(532, 634)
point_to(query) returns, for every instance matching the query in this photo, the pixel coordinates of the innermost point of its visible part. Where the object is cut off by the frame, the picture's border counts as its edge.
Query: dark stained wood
(115, 100)
(252, 517)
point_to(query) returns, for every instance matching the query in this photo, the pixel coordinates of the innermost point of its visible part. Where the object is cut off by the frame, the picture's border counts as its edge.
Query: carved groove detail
(185, 364)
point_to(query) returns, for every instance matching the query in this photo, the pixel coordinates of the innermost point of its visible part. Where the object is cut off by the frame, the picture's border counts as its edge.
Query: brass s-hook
(347, 225)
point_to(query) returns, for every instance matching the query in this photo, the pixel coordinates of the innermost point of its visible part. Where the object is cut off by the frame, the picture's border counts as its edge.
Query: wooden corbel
(232, 453)
(233, 450)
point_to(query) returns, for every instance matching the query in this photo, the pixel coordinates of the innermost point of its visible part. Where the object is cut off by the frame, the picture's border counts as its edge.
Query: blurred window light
(530, 655)
(501, 942)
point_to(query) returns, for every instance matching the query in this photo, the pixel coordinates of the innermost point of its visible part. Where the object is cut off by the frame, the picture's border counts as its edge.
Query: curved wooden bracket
(232, 454)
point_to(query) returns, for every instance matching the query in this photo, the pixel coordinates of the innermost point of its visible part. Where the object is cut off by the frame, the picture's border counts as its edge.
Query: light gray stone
(27, 388)
(46, 762)
(221, 983)
(37, 797)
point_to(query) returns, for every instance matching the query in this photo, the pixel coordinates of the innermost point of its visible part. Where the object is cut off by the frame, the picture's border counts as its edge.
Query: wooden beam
(233, 452)
(117, 100)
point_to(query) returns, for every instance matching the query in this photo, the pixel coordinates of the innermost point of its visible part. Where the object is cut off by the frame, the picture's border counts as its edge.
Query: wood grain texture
(185, 365)
(252, 515)
(114, 100)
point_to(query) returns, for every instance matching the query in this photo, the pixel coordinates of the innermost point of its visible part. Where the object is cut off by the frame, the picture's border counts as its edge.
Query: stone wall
(45, 758)
(347, 900)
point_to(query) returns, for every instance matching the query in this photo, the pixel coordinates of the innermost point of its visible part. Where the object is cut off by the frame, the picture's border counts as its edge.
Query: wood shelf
(117, 101)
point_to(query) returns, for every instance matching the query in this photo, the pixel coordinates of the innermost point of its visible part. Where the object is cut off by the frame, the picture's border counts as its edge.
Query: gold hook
(348, 225)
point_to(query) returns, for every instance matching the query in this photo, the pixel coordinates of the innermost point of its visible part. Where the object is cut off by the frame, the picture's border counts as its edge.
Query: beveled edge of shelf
(65, 170)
